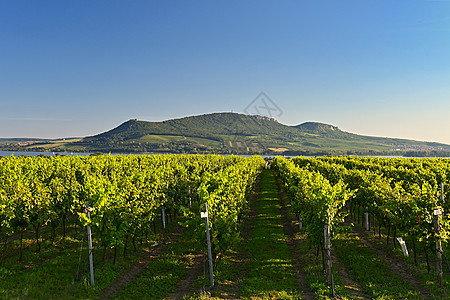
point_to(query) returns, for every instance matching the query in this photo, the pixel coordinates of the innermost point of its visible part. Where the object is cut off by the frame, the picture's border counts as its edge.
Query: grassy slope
(231, 132)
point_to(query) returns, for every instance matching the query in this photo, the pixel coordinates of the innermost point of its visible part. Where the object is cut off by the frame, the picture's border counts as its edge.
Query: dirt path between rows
(291, 226)
(230, 289)
(136, 270)
(400, 267)
(196, 269)
(290, 229)
(192, 273)
(355, 288)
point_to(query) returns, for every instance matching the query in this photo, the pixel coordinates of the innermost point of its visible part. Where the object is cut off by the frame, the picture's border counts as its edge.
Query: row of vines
(399, 195)
(126, 193)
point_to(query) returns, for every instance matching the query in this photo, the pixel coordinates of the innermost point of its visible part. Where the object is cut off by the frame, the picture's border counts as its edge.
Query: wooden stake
(163, 217)
(91, 258)
(442, 197)
(366, 218)
(437, 214)
(327, 248)
(208, 238)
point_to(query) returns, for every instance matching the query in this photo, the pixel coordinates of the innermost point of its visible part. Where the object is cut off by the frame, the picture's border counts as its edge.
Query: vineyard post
(163, 217)
(366, 217)
(190, 199)
(437, 213)
(208, 238)
(403, 246)
(300, 222)
(327, 246)
(89, 232)
(442, 196)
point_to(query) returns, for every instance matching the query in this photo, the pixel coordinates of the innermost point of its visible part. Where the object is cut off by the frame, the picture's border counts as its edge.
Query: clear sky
(78, 68)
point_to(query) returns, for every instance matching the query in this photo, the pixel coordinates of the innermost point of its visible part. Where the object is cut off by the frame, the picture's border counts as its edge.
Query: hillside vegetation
(232, 133)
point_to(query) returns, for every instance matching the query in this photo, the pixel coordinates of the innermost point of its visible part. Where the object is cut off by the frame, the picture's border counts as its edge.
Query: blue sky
(78, 68)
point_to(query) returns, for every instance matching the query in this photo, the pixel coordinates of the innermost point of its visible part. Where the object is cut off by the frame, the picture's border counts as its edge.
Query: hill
(232, 133)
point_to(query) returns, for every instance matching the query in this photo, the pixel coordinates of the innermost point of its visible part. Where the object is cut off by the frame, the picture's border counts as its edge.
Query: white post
(403, 245)
(190, 199)
(327, 248)
(211, 271)
(366, 215)
(437, 227)
(89, 232)
(442, 197)
(163, 214)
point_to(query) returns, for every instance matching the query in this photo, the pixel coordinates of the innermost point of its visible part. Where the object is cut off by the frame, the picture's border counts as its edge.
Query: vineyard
(304, 228)
(405, 197)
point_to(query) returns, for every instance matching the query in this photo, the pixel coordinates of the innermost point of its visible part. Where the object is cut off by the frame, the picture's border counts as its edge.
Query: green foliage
(232, 133)
(125, 192)
(225, 192)
(376, 277)
(313, 197)
(400, 192)
(271, 273)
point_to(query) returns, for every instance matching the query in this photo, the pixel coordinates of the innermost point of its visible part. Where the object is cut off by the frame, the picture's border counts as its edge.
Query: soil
(136, 270)
(398, 266)
(230, 289)
(290, 229)
(192, 273)
(353, 286)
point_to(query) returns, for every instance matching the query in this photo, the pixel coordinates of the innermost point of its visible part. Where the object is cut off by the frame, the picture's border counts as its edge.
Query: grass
(51, 274)
(228, 273)
(314, 272)
(162, 275)
(427, 280)
(158, 280)
(376, 277)
(271, 274)
(257, 267)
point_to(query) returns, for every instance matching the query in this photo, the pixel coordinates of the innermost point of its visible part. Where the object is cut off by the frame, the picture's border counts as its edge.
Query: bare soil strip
(290, 229)
(271, 273)
(192, 273)
(353, 286)
(228, 291)
(136, 270)
(400, 267)
(232, 288)
(291, 226)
